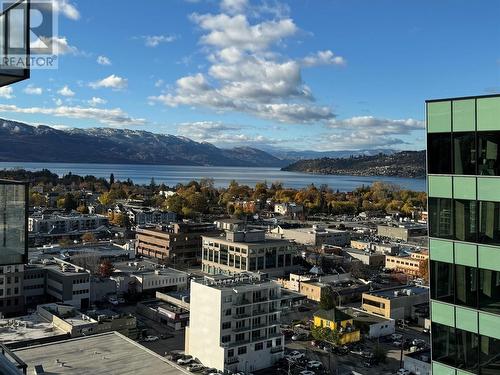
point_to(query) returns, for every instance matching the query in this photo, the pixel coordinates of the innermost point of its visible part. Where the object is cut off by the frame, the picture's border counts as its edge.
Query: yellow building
(339, 321)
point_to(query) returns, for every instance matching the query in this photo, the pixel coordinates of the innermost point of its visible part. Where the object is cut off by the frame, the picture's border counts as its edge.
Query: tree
(327, 301)
(88, 237)
(83, 209)
(111, 179)
(423, 270)
(106, 268)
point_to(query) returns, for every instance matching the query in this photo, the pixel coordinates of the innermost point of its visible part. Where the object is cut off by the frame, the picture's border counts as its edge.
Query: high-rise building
(234, 322)
(463, 160)
(13, 245)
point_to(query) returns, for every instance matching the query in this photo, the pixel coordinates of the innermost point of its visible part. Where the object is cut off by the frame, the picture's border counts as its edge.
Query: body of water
(173, 174)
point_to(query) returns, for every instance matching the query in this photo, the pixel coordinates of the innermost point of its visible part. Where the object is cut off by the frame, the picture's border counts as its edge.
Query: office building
(413, 264)
(234, 322)
(463, 154)
(251, 250)
(315, 236)
(179, 242)
(13, 245)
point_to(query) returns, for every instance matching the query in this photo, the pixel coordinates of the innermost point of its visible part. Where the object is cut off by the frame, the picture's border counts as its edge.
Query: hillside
(20, 142)
(400, 164)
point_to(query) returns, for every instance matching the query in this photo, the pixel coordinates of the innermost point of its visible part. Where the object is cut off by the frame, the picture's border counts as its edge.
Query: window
(226, 338)
(439, 153)
(442, 281)
(489, 291)
(443, 344)
(228, 312)
(466, 350)
(465, 218)
(259, 346)
(489, 355)
(278, 342)
(226, 325)
(464, 153)
(269, 344)
(465, 286)
(242, 350)
(240, 337)
(489, 153)
(230, 353)
(489, 223)
(441, 218)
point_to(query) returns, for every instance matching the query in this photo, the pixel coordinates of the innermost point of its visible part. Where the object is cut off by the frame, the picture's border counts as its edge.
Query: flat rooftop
(26, 328)
(392, 293)
(103, 354)
(363, 316)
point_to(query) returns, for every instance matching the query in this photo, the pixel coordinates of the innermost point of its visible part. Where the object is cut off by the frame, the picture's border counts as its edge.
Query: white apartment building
(234, 322)
(288, 209)
(55, 225)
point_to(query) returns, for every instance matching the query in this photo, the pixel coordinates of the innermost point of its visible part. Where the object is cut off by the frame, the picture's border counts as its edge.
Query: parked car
(295, 355)
(396, 337)
(307, 372)
(195, 367)
(300, 337)
(209, 371)
(314, 364)
(151, 338)
(185, 360)
(403, 371)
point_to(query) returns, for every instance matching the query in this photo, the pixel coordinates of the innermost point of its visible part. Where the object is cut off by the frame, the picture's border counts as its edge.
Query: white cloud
(66, 91)
(33, 90)
(103, 60)
(221, 134)
(246, 74)
(95, 101)
(235, 31)
(378, 126)
(111, 82)
(111, 117)
(156, 40)
(66, 8)
(159, 83)
(6, 92)
(323, 58)
(234, 6)
(59, 45)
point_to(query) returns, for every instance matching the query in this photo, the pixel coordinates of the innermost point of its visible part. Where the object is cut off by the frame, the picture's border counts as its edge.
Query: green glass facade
(463, 163)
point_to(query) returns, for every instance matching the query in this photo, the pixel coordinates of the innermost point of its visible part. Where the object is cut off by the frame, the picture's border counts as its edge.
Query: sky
(319, 75)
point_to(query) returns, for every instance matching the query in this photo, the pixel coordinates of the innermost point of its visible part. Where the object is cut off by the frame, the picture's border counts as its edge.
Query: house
(338, 321)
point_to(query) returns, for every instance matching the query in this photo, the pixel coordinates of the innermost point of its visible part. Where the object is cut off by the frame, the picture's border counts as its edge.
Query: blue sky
(303, 74)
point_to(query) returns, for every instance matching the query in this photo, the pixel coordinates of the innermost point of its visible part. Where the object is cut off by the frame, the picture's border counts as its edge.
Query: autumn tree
(88, 237)
(106, 268)
(423, 270)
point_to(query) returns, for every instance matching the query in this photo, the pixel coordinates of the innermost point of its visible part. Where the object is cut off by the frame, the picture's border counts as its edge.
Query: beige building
(234, 322)
(402, 231)
(252, 251)
(315, 236)
(410, 265)
(181, 241)
(395, 303)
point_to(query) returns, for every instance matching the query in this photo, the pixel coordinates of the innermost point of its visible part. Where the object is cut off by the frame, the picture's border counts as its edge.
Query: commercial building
(367, 257)
(410, 264)
(315, 236)
(140, 215)
(418, 362)
(402, 231)
(179, 242)
(384, 248)
(395, 303)
(370, 325)
(166, 313)
(234, 322)
(251, 250)
(13, 245)
(339, 322)
(58, 281)
(102, 354)
(463, 153)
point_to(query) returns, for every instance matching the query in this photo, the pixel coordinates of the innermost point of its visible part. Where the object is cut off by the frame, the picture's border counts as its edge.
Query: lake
(173, 174)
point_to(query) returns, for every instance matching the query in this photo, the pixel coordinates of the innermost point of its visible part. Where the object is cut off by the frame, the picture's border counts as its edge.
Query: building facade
(463, 153)
(13, 245)
(180, 242)
(315, 236)
(234, 322)
(251, 251)
(411, 265)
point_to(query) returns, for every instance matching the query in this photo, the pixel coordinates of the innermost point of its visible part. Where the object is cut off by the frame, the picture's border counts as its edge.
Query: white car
(396, 337)
(314, 364)
(295, 355)
(307, 372)
(151, 338)
(185, 361)
(403, 371)
(195, 367)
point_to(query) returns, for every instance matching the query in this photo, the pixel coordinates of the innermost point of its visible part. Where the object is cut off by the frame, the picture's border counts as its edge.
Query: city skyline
(268, 74)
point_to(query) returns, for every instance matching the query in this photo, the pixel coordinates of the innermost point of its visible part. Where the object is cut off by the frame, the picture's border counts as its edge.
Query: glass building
(13, 222)
(463, 162)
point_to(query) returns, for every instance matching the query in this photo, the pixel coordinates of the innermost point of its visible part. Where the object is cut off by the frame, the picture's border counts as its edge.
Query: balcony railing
(15, 43)
(231, 360)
